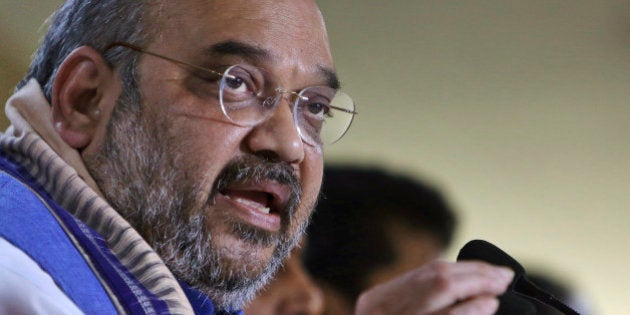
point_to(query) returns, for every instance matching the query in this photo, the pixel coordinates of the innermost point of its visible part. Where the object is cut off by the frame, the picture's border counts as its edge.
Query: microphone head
(485, 251)
(510, 303)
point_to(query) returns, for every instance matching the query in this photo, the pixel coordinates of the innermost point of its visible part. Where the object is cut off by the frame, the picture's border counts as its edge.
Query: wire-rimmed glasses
(248, 96)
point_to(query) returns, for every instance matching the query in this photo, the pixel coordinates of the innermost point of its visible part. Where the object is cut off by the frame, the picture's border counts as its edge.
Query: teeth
(252, 204)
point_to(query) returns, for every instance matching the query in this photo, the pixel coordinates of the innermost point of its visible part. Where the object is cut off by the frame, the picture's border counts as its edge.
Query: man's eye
(237, 84)
(318, 109)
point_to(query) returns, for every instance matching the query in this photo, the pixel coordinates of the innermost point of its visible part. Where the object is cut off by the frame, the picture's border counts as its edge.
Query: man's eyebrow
(237, 48)
(331, 77)
(248, 51)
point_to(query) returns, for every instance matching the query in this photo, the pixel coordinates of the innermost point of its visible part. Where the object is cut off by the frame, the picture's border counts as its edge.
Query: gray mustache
(257, 169)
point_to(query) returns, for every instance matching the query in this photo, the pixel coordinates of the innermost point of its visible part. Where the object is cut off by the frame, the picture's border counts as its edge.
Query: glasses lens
(323, 114)
(238, 95)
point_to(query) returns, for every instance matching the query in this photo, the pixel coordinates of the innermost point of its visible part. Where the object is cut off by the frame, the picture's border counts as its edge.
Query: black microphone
(485, 251)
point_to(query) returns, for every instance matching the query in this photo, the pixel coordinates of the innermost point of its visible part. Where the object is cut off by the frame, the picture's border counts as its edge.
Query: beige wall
(21, 26)
(520, 110)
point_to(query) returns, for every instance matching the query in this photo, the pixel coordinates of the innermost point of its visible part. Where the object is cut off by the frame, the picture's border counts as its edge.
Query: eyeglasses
(248, 96)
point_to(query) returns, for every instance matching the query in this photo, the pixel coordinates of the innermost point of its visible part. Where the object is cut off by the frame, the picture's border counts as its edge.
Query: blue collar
(202, 305)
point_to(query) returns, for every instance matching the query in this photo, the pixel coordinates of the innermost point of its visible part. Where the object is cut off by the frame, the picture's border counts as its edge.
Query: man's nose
(278, 134)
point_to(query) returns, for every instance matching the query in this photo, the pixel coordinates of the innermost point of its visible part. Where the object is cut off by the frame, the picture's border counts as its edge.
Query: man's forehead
(289, 13)
(288, 31)
(271, 20)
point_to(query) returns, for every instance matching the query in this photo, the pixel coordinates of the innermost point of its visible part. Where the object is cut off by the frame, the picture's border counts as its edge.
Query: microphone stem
(527, 288)
(561, 307)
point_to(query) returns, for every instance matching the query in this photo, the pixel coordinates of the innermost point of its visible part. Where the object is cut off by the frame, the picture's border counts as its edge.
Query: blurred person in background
(291, 292)
(370, 226)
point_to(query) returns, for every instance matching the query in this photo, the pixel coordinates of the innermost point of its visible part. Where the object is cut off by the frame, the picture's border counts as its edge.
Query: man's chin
(241, 268)
(236, 253)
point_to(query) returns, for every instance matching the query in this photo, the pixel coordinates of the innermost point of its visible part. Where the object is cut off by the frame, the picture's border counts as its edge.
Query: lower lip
(269, 222)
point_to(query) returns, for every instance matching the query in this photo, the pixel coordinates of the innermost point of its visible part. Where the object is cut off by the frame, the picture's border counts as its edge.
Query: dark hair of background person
(348, 237)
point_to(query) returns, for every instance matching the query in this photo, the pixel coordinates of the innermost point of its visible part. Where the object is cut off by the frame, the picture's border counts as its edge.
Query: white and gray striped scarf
(32, 141)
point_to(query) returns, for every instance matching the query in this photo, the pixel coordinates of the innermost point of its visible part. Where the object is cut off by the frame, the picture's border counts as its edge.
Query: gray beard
(140, 173)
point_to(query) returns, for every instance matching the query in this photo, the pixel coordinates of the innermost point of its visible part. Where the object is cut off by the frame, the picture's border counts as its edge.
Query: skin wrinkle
(252, 53)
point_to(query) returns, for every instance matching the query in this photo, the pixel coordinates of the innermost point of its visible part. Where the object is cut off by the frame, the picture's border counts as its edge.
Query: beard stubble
(141, 172)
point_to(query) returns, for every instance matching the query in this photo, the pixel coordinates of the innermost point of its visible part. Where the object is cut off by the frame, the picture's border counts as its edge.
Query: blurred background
(518, 110)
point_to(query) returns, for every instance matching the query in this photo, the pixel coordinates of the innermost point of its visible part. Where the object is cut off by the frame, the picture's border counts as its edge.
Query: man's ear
(79, 94)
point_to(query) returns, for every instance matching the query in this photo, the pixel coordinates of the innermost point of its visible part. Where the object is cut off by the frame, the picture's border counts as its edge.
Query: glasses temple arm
(139, 49)
(349, 111)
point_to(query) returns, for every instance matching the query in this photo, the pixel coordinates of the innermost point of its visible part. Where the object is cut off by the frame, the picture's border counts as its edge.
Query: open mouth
(257, 200)
(265, 204)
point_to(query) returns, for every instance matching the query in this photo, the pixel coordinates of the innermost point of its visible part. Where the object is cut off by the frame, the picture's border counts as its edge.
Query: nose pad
(271, 101)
